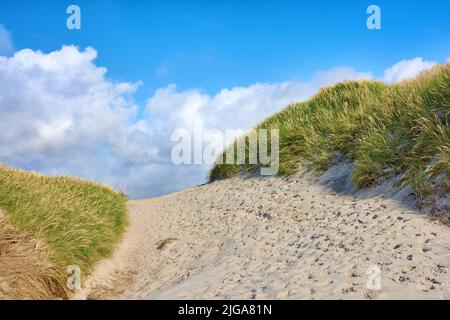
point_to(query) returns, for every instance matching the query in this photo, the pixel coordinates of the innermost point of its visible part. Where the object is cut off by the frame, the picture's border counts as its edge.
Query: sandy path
(274, 238)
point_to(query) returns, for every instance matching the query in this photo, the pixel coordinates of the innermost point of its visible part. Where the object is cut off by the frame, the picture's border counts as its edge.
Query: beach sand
(276, 238)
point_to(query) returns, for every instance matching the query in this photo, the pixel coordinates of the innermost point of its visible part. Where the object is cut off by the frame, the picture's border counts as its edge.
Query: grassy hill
(384, 130)
(59, 221)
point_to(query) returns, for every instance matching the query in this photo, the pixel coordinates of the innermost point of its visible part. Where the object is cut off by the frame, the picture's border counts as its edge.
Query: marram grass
(79, 221)
(384, 130)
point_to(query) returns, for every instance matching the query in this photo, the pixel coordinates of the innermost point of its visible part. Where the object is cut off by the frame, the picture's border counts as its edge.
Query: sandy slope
(275, 238)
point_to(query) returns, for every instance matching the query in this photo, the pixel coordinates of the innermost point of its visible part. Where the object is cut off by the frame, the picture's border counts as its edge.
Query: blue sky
(222, 44)
(101, 102)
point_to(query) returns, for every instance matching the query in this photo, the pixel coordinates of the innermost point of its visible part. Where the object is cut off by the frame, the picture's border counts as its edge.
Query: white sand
(264, 238)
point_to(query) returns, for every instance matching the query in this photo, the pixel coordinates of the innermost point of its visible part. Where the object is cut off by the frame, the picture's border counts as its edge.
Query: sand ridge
(274, 238)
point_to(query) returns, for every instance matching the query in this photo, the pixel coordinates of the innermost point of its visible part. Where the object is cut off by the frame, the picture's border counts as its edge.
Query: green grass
(384, 130)
(78, 220)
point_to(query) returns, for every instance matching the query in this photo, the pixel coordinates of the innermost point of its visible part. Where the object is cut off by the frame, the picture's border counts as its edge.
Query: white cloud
(406, 69)
(6, 44)
(61, 115)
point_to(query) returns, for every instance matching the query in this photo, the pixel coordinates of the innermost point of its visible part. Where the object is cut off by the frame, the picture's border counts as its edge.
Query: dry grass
(112, 287)
(25, 270)
(384, 130)
(165, 243)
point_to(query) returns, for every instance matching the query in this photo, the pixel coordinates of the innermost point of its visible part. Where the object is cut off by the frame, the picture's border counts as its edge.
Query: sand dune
(276, 238)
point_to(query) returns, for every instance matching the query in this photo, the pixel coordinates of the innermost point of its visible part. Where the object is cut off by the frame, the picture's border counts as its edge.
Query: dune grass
(79, 221)
(25, 269)
(384, 130)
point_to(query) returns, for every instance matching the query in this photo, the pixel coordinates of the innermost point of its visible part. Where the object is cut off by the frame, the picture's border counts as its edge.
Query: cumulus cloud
(406, 69)
(61, 115)
(6, 44)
